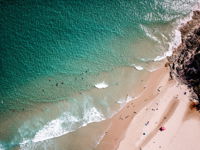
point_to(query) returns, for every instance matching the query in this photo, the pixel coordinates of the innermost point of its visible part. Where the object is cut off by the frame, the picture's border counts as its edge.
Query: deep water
(51, 50)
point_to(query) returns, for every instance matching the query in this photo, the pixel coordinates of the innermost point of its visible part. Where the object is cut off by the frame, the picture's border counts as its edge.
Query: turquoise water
(51, 50)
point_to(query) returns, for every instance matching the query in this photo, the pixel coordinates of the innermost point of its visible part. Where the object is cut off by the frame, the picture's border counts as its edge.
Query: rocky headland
(185, 61)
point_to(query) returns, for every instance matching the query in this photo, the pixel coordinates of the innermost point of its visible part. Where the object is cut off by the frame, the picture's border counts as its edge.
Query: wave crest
(139, 68)
(101, 85)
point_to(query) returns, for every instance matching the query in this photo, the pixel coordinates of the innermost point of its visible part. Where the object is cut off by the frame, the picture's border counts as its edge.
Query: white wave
(56, 128)
(67, 123)
(76, 116)
(121, 101)
(92, 115)
(149, 33)
(153, 69)
(146, 59)
(137, 67)
(101, 85)
(129, 98)
(1, 147)
(176, 40)
(126, 100)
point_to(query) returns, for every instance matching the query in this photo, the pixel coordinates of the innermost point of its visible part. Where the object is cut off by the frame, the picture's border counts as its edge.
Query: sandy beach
(160, 118)
(164, 116)
(100, 75)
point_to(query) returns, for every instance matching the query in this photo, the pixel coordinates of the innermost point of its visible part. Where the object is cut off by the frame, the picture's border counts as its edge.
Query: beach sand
(163, 103)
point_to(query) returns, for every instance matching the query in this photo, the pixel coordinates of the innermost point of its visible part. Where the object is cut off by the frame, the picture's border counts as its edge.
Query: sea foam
(67, 123)
(1, 147)
(56, 127)
(149, 33)
(176, 40)
(126, 100)
(101, 85)
(139, 68)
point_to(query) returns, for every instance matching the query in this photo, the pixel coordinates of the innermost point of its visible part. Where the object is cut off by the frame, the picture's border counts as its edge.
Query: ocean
(66, 65)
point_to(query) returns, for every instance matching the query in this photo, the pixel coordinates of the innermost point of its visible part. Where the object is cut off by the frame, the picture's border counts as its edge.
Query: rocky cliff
(185, 61)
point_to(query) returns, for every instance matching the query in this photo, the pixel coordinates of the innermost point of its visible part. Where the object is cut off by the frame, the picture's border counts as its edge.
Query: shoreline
(39, 110)
(136, 126)
(143, 106)
(162, 117)
(130, 110)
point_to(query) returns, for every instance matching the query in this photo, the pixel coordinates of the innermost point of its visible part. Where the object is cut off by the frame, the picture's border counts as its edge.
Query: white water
(176, 40)
(55, 127)
(126, 100)
(64, 124)
(101, 85)
(149, 34)
(139, 68)
(1, 147)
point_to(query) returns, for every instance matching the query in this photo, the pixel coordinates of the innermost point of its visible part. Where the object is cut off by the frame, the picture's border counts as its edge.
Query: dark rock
(185, 61)
(197, 32)
(198, 107)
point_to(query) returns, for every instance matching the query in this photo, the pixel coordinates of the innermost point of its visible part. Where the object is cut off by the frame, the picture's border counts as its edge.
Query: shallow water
(54, 53)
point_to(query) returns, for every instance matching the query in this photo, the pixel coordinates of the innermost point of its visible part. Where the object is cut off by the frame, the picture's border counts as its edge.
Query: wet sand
(163, 103)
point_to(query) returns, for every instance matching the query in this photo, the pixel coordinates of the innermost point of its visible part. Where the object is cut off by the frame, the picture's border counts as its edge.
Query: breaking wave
(176, 39)
(78, 115)
(139, 68)
(67, 123)
(101, 85)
